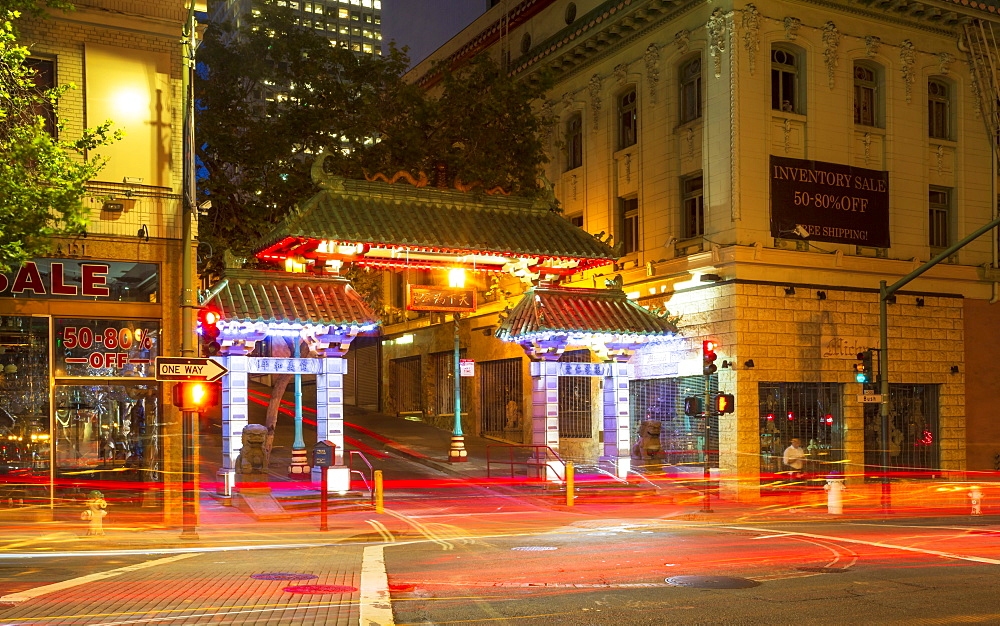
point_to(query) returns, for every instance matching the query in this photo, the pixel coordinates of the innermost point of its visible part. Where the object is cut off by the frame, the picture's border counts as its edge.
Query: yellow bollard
(379, 506)
(569, 484)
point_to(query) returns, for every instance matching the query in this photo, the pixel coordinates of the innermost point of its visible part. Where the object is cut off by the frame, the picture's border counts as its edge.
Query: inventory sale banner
(831, 202)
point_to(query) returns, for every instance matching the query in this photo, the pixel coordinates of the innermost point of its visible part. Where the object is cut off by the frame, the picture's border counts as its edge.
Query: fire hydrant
(95, 512)
(976, 496)
(834, 494)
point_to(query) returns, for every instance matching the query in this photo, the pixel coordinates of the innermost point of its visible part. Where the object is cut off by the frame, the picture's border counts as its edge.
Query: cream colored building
(81, 328)
(671, 120)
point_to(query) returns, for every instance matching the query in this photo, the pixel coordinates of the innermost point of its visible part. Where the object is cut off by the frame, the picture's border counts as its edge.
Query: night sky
(424, 25)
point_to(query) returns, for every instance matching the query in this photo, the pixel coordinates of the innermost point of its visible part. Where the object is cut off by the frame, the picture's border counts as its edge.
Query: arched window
(690, 96)
(938, 109)
(628, 119)
(866, 95)
(574, 141)
(785, 80)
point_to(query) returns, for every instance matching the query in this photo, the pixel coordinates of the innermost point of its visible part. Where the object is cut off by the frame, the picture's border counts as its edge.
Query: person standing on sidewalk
(795, 458)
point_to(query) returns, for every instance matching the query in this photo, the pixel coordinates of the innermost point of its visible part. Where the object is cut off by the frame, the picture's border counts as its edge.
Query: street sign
(188, 368)
(870, 398)
(323, 453)
(466, 367)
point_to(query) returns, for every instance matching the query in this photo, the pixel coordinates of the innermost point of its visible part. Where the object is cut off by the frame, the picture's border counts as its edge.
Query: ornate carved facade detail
(573, 181)
(594, 89)
(786, 128)
(867, 141)
(945, 59)
(792, 25)
(652, 60)
(689, 140)
(751, 34)
(628, 167)
(681, 40)
(717, 38)
(621, 74)
(907, 56)
(831, 41)
(939, 159)
(872, 44)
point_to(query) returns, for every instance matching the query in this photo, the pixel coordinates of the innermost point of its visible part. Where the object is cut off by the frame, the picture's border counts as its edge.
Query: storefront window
(809, 412)
(24, 409)
(107, 437)
(106, 348)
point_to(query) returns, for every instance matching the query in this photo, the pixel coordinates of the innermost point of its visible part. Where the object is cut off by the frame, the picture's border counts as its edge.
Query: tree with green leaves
(272, 95)
(42, 178)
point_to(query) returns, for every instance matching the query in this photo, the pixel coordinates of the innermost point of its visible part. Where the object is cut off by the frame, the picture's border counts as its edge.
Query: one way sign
(185, 368)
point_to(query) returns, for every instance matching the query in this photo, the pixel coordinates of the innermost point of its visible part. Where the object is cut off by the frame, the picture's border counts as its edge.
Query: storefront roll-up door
(682, 437)
(367, 376)
(501, 399)
(406, 388)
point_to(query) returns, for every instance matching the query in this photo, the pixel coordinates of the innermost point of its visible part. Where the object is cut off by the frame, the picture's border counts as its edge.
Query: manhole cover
(823, 570)
(283, 576)
(712, 582)
(319, 589)
(533, 548)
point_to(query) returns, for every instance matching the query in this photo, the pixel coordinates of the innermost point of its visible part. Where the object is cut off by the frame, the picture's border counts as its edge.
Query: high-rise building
(352, 24)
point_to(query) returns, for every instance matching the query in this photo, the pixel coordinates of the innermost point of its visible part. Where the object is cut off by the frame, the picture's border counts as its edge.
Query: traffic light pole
(886, 292)
(189, 424)
(706, 502)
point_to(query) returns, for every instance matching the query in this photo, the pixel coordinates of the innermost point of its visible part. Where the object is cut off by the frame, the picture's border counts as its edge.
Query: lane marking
(376, 607)
(879, 544)
(385, 533)
(28, 594)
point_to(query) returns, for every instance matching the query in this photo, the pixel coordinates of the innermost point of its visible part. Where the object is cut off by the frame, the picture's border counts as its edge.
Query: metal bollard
(976, 496)
(834, 494)
(379, 502)
(570, 495)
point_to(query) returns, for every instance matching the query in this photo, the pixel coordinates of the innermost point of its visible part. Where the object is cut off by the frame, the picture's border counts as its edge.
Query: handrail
(536, 450)
(350, 465)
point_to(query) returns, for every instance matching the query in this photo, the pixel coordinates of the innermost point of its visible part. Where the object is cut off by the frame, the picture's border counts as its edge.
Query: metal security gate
(914, 447)
(443, 364)
(809, 412)
(501, 399)
(682, 437)
(361, 383)
(575, 407)
(405, 383)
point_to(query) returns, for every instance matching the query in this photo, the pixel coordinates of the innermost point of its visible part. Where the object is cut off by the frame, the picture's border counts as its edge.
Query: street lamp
(457, 452)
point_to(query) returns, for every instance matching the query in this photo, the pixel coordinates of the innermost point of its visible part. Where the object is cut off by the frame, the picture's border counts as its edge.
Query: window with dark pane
(574, 142)
(690, 96)
(784, 81)
(938, 110)
(694, 206)
(865, 93)
(628, 119)
(630, 224)
(939, 218)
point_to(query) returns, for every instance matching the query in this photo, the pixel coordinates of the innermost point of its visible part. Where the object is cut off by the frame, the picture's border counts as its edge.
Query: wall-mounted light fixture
(920, 302)
(132, 180)
(727, 364)
(821, 295)
(954, 369)
(789, 291)
(748, 363)
(710, 278)
(113, 206)
(143, 232)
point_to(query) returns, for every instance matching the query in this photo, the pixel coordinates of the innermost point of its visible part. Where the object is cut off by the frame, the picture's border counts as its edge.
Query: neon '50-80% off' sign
(109, 339)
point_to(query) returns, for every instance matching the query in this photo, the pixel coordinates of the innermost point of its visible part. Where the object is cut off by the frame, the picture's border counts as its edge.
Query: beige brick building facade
(109, 423)
(668, 118)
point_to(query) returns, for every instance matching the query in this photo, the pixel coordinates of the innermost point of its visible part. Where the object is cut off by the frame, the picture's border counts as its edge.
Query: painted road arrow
(186, 368)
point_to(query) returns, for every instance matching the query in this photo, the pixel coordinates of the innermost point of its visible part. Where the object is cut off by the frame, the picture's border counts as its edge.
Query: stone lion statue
(252, 459)
(649, 440)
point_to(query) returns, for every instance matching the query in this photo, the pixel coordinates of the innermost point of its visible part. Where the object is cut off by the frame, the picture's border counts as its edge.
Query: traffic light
(196, 396)
(863, 368)
(208, 328)
(692, 405)
(708, 357)
(725, 403)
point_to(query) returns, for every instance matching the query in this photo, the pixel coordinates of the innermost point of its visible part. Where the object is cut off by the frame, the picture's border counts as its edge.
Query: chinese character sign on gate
(428, 298)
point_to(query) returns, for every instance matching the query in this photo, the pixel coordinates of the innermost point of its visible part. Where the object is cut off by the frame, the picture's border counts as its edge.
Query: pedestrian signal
(692, 405)
(196, 396)
(725, 403)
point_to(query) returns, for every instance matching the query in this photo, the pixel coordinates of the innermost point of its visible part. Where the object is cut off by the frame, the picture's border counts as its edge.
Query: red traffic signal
(196, 396)
(725, 403)
(208, 327)
(708, 357)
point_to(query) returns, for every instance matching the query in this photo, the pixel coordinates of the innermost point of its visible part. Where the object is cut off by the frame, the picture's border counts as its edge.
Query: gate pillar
(545, 417)
(617, 429)
(235, 413)
(330, 421)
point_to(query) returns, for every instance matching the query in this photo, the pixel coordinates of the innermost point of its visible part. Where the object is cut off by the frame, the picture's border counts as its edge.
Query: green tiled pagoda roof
(578, 310)
(428, 218)
(264, 296)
